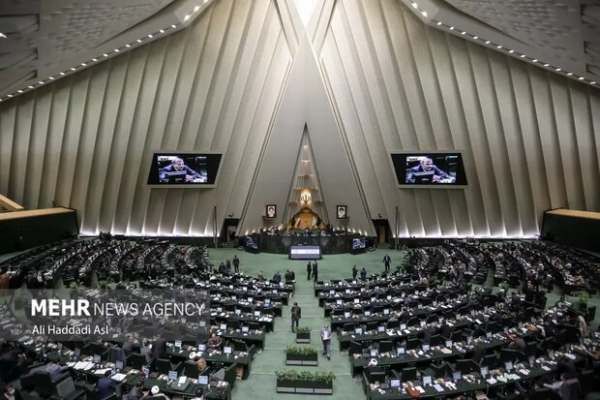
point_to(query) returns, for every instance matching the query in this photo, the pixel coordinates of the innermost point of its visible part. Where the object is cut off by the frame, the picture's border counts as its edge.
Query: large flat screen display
(184, 169)
(432, 169)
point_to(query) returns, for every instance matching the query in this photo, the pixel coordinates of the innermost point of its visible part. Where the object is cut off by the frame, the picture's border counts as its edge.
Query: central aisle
(261, 382)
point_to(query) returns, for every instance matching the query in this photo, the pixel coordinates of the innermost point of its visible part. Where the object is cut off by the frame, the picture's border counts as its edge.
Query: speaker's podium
(298, 252)
(22, 229)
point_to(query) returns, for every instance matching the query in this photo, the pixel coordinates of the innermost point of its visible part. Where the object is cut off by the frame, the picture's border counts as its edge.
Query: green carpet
(261, 383)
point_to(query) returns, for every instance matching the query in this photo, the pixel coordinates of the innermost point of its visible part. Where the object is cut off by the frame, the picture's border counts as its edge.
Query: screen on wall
(429, 169)
(184, 169)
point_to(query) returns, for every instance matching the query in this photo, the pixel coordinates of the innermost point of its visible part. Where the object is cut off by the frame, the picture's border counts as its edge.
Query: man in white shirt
(326, 339)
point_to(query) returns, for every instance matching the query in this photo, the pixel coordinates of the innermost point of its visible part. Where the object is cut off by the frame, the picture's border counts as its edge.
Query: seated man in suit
(178, 166)
(8, 393)
(426, 170)
(214, 342)
(105, 386)
(155, 394)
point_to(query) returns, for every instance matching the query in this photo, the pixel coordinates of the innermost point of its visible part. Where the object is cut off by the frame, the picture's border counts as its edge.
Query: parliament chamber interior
(294, 199)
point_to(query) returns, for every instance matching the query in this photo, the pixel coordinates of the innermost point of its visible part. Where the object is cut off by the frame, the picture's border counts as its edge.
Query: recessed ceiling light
(94, 59)
(414, 4)
(20, 91)
(173, 26)
(463, 33)
(128, 45)
(2, 35)
(499, 46)
(424, 13)
(187, 16)
(439, 23)
(593, 82)
(511, 51)
(162, 31)
(205, 1)
(581, 78)
(570, 74)
(10, 95)
(546, 65)
(83, 64)
(116, 50)
(150, 36)
(475, 37)
(523, 55)
(534, 60)
(558, 69)
(196, 9)
(73, 68)
(30, 87)
(139, 40)
(62, 74)
(51, 78)
(487, 42)
(40, 82)
(105, 54)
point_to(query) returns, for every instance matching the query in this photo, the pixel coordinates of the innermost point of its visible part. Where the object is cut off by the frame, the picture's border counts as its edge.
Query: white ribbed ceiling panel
(531, 138)
(85, 141)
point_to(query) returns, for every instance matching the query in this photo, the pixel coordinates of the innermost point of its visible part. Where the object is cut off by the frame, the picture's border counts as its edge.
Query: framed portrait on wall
(341, 211)
(271, 211)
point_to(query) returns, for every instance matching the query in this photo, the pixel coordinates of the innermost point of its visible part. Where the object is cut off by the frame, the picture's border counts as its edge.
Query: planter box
(303, 387)
(303, 337)
(302, 360)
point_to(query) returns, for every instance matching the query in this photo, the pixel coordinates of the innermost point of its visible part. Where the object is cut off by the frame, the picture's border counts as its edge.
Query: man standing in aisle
(315, 271)
(326, 339)
(296, 315)
(308, 270)
(387, 261)
(236, 264)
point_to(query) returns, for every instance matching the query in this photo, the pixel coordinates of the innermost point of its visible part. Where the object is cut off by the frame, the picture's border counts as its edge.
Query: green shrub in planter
(584, 297)
(301, 355)
(293, 381)
(303, 330)
(301, 351)
(303, 335)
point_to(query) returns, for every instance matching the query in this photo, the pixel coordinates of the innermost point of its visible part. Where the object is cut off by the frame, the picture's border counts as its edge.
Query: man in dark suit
(387, 261)
(105, 386)
(354, 272)
(296, 315)
(428, 172)
(178, 166)
(236, 264)
(308, 270)
(315, 271)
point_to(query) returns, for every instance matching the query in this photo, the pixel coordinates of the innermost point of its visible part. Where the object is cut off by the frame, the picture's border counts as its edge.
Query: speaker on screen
(170, 169)
(429, 169)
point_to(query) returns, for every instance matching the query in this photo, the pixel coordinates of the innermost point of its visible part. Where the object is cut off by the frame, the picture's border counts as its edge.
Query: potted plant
(292, 381)
(584, 297)
(301, 355)
(303, 335)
